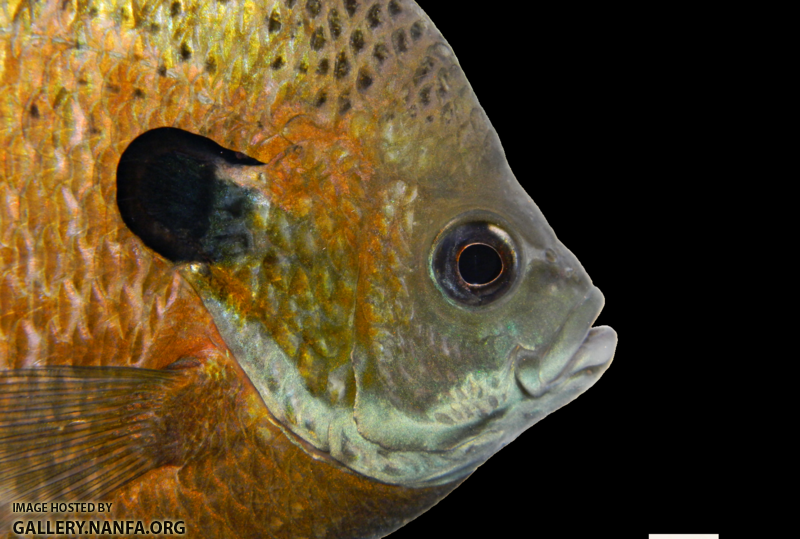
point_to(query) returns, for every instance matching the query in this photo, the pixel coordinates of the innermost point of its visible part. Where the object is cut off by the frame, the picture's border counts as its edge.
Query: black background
(584, 104)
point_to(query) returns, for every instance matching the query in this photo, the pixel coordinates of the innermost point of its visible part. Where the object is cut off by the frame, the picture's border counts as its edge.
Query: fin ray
(79, 433)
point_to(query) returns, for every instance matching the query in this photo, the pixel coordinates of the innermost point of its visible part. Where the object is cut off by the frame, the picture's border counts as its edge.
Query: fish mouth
(577, 350)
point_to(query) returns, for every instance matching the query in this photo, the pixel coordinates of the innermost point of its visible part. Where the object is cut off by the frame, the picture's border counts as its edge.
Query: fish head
(486, 327)
(472, 320)
(392, 292)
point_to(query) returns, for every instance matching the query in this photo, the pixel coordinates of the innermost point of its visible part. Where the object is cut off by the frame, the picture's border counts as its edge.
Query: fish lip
(593, 356)
(577, 349)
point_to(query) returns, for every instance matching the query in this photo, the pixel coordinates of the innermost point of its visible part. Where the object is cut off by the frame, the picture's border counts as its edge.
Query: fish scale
(313, 377)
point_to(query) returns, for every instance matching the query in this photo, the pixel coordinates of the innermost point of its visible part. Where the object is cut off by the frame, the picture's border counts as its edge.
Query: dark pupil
(479, 264)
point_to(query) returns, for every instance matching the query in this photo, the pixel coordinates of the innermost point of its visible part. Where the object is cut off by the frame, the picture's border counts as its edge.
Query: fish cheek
(432, 373)
(173, 193)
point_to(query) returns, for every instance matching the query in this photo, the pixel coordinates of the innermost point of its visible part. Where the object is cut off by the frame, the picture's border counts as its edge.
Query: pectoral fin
(78, 433)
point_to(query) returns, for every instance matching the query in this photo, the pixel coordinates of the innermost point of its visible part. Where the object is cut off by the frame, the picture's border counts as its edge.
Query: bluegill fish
(265, 268)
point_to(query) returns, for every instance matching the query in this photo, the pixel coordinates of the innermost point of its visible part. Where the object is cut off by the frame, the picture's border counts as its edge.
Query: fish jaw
(578, 351)
(535, 384)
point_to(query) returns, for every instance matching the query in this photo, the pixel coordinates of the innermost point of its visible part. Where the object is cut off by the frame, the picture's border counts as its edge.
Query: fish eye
(474, 263)
(479, 264)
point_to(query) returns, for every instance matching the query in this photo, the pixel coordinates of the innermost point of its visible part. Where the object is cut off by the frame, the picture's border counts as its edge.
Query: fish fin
(78, 433)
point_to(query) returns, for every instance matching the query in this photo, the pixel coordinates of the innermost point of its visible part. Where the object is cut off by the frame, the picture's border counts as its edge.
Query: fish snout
(577, 351)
